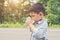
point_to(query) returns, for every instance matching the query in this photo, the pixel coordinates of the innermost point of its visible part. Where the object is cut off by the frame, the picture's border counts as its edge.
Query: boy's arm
(32, 28)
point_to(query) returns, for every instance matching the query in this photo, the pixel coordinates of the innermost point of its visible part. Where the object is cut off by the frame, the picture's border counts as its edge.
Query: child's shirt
(41, 30)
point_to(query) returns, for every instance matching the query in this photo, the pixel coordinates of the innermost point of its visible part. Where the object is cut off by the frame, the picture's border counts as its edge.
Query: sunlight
(15, 1)
(5, 3)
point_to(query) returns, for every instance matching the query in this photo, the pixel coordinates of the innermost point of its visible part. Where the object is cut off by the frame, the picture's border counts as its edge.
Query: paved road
(24, 34)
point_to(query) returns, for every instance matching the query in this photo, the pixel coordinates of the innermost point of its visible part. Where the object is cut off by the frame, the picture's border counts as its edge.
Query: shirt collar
(41, 21)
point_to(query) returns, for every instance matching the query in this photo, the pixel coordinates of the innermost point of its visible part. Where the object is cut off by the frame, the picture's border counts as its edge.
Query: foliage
(17, 12)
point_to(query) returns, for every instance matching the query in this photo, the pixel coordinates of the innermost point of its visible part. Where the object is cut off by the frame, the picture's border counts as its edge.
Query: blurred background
(13, 13)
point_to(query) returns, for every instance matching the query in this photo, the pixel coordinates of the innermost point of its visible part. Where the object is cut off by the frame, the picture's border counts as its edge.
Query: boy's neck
(41, 18)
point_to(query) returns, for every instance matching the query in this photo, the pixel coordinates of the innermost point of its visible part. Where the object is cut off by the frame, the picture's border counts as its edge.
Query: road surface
(24, 34)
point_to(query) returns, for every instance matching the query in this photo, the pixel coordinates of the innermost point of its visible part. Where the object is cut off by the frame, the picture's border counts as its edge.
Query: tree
(1, 10)
(52, 10)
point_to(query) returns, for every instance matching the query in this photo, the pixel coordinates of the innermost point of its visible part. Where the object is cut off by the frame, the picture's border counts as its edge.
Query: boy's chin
(36, 20)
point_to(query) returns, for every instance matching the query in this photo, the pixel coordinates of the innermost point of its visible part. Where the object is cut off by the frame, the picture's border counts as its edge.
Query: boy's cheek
(34, 18)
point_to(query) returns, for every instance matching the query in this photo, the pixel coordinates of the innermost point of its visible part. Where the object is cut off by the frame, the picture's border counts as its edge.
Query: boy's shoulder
(42, 21)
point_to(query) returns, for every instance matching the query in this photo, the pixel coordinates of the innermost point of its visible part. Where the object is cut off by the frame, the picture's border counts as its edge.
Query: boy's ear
(40, 13)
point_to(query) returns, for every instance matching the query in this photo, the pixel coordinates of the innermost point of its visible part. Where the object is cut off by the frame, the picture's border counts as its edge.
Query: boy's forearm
(31, 27)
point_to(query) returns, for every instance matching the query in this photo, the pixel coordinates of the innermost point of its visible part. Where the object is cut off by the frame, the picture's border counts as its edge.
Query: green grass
(12, 26)
(54, 26)
(21, 25)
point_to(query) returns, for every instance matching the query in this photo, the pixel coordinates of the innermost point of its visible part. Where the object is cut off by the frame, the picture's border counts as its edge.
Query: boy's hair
(37, 7)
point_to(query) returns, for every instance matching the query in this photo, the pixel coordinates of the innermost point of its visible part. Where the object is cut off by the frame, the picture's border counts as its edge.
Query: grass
(21, 25)
(54, 26)
(12, 26)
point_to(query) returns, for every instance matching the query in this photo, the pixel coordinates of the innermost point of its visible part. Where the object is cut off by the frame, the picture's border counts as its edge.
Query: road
(24, 34)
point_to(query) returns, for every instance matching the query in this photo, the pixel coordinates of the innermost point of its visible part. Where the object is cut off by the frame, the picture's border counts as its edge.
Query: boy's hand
(29, 21)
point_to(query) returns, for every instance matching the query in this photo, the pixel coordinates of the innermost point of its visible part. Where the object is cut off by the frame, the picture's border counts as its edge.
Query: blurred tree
(1, 11)
(17, 10)
(52, 10)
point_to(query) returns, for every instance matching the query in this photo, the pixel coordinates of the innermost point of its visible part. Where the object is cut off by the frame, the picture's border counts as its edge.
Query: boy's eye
(31, 16)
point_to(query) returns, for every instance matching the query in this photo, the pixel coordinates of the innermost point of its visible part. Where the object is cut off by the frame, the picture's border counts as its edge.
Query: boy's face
(36, 16)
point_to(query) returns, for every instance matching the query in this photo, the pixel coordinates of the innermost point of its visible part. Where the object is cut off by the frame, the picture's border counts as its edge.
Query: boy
(37, 22)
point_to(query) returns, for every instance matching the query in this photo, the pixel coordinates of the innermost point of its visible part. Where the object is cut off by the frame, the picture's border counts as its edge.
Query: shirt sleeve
(39, 32)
